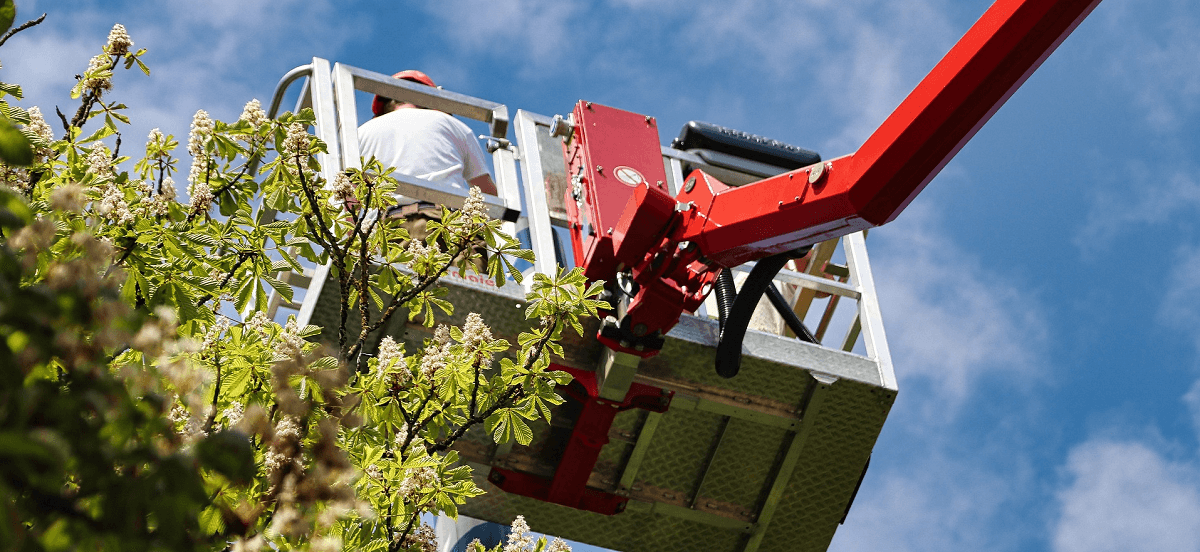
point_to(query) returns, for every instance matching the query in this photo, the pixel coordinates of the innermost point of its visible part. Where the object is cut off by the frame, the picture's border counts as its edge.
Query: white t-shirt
(425, 144)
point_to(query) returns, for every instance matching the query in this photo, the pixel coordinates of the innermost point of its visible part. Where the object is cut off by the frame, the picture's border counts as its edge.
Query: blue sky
(1042, 296)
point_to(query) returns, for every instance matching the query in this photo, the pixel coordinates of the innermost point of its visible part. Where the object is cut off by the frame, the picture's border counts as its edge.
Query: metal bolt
(649, 120)
(610, 230)
(640, 329)
(587, 105)
(561, 128)
(691, 183)
(600, 168)
(660, 183)
(780, 204)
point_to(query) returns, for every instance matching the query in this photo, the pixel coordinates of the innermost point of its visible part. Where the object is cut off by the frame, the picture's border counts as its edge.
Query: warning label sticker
(628, 175)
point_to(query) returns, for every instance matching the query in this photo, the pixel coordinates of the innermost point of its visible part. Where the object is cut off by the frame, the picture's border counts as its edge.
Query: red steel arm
(674, 246)
(874, 184)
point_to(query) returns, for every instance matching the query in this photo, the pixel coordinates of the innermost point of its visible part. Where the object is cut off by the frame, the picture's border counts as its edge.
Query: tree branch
(23, 26)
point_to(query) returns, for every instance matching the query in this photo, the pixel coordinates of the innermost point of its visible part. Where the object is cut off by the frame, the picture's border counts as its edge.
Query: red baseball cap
(409, 75)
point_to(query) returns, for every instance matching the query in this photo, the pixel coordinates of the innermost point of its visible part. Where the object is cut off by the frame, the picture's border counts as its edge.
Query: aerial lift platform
(678, 434)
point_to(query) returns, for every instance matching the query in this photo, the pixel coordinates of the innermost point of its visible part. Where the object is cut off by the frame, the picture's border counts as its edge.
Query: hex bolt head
(600, 168)
(691, 183)
(640, 329)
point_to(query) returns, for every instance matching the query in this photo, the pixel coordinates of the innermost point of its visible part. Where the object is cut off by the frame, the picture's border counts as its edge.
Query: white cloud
(940, 503)
(1147, 196)
(536, 29)
(1156, 58)
(1192, 400)
(1180, 308)
(950, 321)
(209, 55)
(859, 59)
(1123, 496)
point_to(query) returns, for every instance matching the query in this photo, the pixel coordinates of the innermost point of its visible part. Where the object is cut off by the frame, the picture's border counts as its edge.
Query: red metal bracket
(569, 484)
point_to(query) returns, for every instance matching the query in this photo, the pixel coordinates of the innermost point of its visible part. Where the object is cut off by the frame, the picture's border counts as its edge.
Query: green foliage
(8, 13)
(137, 412)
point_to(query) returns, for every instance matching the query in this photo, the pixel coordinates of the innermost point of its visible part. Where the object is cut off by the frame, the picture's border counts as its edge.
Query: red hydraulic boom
(624, 220)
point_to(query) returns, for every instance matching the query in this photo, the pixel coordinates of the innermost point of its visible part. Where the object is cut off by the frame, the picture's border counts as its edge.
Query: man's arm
(484, 183)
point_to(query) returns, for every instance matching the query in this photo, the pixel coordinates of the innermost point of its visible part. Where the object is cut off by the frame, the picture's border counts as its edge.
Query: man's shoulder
(427, 119)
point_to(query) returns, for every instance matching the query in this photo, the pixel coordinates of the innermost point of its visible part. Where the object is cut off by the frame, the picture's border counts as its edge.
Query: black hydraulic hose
(733, 331)
(789, 316)
(726, 294)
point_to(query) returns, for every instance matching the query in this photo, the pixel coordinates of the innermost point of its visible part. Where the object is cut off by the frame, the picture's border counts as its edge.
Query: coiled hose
(734, 309)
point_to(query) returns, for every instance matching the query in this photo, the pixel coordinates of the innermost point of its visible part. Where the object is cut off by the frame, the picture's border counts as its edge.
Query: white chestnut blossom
(253, 113)
(259, 323)
(417, 479)
(518, 537)
(38, 126)
(290, 343)
(201, 132)
(437, 354)
(68, 197)
(474, 206)
(99, 161)
(233, 415)
(214, 333)
(423, 537)
(15, 178)
(119, 42)
(99, 75)
(389, 352)
(341, 190)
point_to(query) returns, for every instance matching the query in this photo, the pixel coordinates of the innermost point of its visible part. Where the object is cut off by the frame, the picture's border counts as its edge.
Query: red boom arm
(675, 246)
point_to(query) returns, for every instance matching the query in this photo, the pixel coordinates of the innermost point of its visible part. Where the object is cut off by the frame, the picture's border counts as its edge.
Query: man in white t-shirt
(426, 144)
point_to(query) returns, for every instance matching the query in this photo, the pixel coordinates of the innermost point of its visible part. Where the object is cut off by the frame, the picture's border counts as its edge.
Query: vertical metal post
(322, 93)
(537, 210)
(869, 314)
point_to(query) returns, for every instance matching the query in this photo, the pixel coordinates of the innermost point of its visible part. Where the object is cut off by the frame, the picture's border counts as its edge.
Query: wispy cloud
(211, 55)
(1156, 59)
(951, 322)
(940, 503)
(1180, 308)
(1123, 495)
(1148, 196)
(535, 30)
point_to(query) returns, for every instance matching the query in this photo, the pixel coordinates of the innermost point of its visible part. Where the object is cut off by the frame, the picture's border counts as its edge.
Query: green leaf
(284, 290)
(228, 204)
(14, 147)
(234, 383)
(186, 304)
(211, 521)
(245, 290)
(8, 13)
